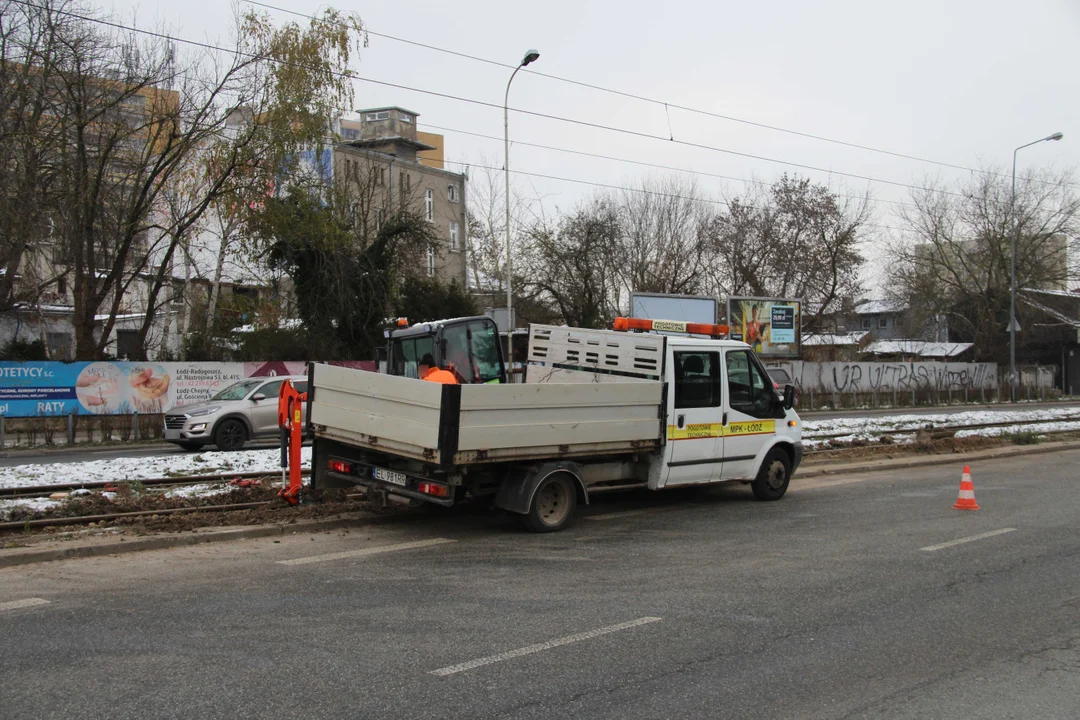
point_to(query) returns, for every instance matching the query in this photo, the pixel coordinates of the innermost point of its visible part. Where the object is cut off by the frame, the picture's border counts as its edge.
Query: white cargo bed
(458, 424)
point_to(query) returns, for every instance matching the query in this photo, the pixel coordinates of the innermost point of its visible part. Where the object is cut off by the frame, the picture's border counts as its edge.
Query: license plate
(389, 476)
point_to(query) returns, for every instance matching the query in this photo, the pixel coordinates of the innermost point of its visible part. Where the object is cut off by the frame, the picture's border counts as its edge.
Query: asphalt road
(844, 600)
(64, 455)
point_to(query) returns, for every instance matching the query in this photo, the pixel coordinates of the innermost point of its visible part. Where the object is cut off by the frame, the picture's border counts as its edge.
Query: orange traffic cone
(966, 499)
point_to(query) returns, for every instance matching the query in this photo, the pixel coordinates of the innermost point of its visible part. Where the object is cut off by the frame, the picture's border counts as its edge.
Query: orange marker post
(289, 420)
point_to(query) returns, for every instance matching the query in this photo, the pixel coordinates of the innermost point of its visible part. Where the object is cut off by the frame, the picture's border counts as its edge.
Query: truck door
(750, 414)
(695, 441)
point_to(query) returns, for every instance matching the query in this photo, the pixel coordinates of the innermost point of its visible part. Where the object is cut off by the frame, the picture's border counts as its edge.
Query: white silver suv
(245, 410)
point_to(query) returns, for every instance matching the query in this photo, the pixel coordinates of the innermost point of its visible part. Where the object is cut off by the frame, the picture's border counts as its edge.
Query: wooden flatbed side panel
(355, 405)
(532, 416)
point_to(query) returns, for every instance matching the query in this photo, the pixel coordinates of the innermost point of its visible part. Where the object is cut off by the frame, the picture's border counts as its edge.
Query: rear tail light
(430, 488)
(340, 466)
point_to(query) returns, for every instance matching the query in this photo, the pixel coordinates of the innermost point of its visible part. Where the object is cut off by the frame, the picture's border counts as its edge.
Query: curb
(923, 461)
(24, 556)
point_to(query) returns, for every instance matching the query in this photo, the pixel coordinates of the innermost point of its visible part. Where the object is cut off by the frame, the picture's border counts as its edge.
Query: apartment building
(397, 165)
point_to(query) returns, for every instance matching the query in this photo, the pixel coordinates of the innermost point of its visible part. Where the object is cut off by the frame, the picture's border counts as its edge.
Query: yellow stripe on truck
(702, 431)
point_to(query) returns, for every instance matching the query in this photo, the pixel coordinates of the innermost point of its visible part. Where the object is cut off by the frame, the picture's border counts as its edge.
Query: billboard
(769, 325)
(657, 306)
(31, 389)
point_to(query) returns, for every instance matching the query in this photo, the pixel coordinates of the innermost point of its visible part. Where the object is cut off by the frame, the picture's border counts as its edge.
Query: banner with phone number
(31, 389)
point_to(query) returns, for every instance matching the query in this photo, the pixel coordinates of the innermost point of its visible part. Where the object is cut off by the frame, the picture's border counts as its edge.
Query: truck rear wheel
(553, 504)
(773, 477)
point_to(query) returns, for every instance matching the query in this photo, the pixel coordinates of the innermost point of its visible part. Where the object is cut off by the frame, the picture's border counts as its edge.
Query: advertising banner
(31, 389)
(769, 325)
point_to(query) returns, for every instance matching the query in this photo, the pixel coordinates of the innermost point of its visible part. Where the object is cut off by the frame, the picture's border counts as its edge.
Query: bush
(1026, 438)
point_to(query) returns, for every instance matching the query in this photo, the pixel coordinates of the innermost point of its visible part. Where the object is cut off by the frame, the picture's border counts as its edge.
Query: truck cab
(725, 419)
(469, 347)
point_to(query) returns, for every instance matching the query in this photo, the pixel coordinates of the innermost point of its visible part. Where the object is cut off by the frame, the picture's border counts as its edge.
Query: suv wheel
(230, 435)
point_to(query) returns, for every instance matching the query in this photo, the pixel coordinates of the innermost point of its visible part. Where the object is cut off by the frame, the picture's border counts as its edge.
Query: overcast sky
(957, 81)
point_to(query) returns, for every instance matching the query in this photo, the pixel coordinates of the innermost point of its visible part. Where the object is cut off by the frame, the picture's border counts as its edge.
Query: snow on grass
(142, 468)
(200, 490)
(35, 504)
(873, 426)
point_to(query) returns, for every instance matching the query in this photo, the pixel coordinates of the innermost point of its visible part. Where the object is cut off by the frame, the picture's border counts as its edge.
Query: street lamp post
(530, 56)
(1012, 265)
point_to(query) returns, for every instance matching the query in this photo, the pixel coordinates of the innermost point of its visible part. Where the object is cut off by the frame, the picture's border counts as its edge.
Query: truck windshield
(407, 352)
(485, 350)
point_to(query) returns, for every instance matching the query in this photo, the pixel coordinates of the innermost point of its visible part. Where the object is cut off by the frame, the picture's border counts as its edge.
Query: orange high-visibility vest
(440, 376)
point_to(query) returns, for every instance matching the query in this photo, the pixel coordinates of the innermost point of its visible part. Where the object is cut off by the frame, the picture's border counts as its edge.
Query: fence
(910, 384)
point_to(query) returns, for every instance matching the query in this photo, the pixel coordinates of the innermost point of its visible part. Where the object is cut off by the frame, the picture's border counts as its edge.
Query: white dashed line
(530, 649)
(365, 552)
(28, 602)
(973, 538)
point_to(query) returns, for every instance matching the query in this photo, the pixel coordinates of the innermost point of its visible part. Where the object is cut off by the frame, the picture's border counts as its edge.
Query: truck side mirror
(789, 396)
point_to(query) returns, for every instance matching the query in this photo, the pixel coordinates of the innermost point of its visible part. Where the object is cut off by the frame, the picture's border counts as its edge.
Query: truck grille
(175, 422)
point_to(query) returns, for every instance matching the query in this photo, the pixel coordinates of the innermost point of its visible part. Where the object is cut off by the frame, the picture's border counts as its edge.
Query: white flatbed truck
(600, 410)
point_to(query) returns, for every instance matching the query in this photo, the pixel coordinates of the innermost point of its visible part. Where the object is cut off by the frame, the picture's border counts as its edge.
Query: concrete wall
(868, 377)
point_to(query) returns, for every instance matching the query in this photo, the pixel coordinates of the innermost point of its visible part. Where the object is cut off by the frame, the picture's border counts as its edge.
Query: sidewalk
(45, 549)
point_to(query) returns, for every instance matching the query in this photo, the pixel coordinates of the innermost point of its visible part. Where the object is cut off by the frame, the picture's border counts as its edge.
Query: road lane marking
(973, 538)
(365, 552)
(28, 602)
(530, 649)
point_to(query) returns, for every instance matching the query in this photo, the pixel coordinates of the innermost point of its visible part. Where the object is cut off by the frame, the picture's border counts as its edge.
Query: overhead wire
(642, 191)
(665, 104)
(658, 166)
(434, 93)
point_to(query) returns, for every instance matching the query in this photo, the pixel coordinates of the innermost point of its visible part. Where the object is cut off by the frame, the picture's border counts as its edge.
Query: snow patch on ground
(200, 490)
(874, 426)
(142, 468)
(36, 504)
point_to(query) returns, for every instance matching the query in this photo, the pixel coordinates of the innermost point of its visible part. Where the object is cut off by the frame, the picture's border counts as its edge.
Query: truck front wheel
(553, 504)
(773, 477)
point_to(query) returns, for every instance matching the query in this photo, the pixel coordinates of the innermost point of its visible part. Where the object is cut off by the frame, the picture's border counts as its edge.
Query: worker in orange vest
(430, 372)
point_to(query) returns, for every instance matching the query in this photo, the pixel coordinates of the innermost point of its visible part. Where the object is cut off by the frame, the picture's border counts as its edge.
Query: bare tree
(794, 239)
(569, 264)
(954, 259)
(660, 243)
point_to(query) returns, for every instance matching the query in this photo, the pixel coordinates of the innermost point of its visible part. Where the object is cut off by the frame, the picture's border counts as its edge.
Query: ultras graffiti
(860, 377)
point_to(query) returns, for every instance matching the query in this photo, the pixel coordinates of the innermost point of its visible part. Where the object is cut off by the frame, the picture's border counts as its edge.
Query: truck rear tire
(553, 504)
(773, 477)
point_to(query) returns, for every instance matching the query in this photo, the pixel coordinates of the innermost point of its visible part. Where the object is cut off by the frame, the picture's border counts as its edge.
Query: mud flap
(515, 493)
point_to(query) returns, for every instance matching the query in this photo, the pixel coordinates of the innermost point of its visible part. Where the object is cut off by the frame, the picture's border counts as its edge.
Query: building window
(454, 237)
(61, 286)
(431, 261)
(376, 116)
(883, 322)
(451, 193)
(380, 177)
(866, 324)
(405, 187)
(350, 133)
(429, 205)
(127, 343)
(59, 345)
(407, 119)
(380, 218)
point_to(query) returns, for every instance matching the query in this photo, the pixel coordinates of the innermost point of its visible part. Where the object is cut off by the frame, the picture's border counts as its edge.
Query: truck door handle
(723, 419)
(681, 420)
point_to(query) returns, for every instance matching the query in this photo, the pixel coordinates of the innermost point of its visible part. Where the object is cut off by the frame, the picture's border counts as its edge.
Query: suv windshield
(238, 391)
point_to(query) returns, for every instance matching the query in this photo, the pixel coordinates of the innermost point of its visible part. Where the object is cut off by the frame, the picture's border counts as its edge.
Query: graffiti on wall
(866, 377)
